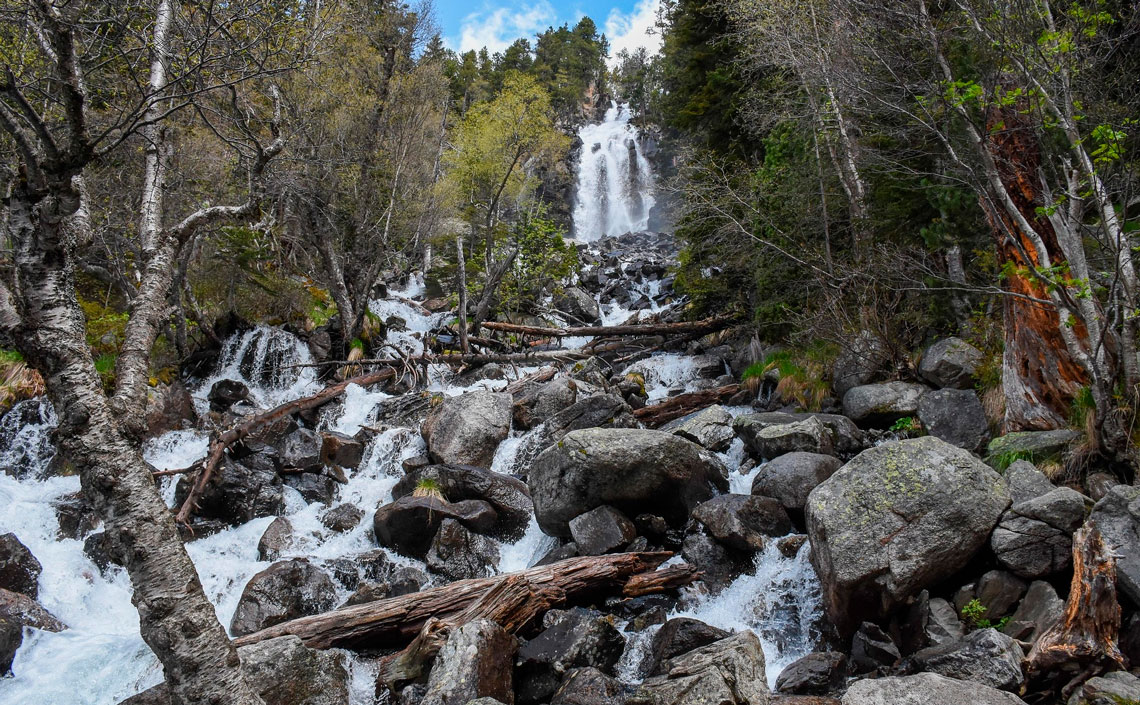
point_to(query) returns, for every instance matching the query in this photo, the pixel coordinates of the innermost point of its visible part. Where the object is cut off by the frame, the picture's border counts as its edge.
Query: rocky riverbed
(840, 561)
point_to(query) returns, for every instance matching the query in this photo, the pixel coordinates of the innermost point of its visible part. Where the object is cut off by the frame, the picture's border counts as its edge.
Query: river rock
(1034, 538)
(1115, 688)
(409, 525)
(1117, 516)
(937, 621)
(225, 393)
(1026, 481)
(719, 564)
(626, 468)
(283, 591)
(509, 496)
(956, 416)
(1039, 610)
(951, 362)
(1034, 446)
(818, 673)
(880, 405)
(19, 569)
(984, 656)
(276, 538)
(790, 478)
(726, 672)
(743, 522)
(711, 428)
(342, 517)
(677, 636)
(458, 553)
(580, 305)
(543, 401)
(925, 689)
(872, 649)
(594, 411)
(601, 530)
(846, 438)
(859, 362)
(236, 493)
(807, 436)
(466, 430)
(314, 487)
(301, 450)
(476, 661)
(589, 686)
(169, 407)
(896, 519)
(341, 450)
(578, 638)
(999, 592)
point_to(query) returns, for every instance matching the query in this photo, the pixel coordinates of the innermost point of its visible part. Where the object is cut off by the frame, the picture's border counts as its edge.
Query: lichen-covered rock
(543, 401)
(951, 362)
(807, 436)
(283, 591)
(925, 689)
(1117, 515)
(846, 438)
(1034, 538)
(467, 429)
(896, 519)
(710, 428)
(1116, 688)
(880, 405)
(1034, 446)
(629, 469)
(477, 661)
(726, 672)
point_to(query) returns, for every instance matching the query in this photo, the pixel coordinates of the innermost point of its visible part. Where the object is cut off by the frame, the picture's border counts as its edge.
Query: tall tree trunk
(461, 258)
(176, 619)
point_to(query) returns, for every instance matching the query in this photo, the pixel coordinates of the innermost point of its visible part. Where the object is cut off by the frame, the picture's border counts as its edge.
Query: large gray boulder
(409, 524)
(956, 416)
(711, 428)
(880, 405)
(726, 672)
(1026, 481)
(951, 362)
(1035, 538)
(791, 478)
(1117, 515)
(283, 591)
(1039, 610)
(846, 438)
(925, 689)
(1034, 446)
(508, 495)
(580, 305)
(477, 661)
(985, 656)
(542, 401)
(859, 362)
(896, 519)
(743, 522)
(467, 429)
(458, 553)
(1116, 688)
(630, 469)
(807, 436)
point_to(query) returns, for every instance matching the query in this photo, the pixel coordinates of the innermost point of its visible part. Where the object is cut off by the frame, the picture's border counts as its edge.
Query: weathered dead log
(658, 415)
(512, 603)
(544, 375)
(469, 360)
(393, 622)
(671, 578)
(220, 443)
(707, 325)
(1084, 642)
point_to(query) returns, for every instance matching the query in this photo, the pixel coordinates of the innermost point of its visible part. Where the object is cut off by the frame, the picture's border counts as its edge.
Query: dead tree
(657, 415)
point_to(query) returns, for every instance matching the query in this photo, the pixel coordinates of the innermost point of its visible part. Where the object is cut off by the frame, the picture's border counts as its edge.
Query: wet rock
(1034, 446)
(543, 401)
(743, 522)
(956, 416)
(410, 524)
(985, 656)
(896, 519)
(807, 436)
(601, 530)
(790, 546)
(342, 517)
(846, 438)
(509, 496)
(594, 411)
(726, 672)
(720, 564)
(678, 636)
(466, 430)
(368, 591)
(1034, 538)
(559, 553)
(1026, 481)
(625, 468)
(19, 569)
(578, 638)
(236, 493)
(999, 592)
(589, 686)
(580, 305)
(1117, 516)
(790, 478)
(169, 407)
(476, 662)
(1039, 610)
(314, 487)
(951, 362)
(859, 362)
(341, 450)
(458, 553)
(1116, 688)
(277, 537)
(406, 580)
(880, 405)
(76, 516)
(225, 393)
(710, 428)
(925, 689)
(11, 638)
(20, 609)
(301, 450)
(872, 649)
(283, 591)
(818, 673)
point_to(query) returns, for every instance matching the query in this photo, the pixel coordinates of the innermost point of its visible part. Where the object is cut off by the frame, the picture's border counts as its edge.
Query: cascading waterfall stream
(615, 180)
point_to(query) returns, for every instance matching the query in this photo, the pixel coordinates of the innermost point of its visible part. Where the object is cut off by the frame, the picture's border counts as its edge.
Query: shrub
(802, 376)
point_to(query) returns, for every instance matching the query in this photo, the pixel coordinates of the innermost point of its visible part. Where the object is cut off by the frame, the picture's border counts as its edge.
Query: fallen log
(393, 622)
(657, 415)
(670, 578)
(1084, 642)
(464, 359)
(220, 443)
(707, 325)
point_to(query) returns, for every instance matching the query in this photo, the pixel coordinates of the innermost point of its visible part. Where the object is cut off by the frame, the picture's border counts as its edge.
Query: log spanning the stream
(707, 325)
(657, 415)
(396, 621)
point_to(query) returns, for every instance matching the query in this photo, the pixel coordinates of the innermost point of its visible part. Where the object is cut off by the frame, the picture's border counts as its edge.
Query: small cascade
(25, 438)
(271, 363)
(615, 180)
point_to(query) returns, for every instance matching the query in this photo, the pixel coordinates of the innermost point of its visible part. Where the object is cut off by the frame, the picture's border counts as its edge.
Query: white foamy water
(271, 363)
(615, 180)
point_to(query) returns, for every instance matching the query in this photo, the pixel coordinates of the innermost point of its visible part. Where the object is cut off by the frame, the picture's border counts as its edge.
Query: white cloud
(632, 30)
(496, 29)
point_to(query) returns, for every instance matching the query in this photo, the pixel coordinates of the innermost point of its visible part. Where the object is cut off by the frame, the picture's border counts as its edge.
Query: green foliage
(105, 366)
(544, 259)
(802, 375)
(8, 357)
(428, 487)
(1002, 461)
(1081, 407)
(105, 327)
(906, 424)
(973, 613)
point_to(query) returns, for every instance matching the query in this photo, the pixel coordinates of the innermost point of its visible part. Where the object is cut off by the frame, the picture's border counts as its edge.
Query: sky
(474, 24)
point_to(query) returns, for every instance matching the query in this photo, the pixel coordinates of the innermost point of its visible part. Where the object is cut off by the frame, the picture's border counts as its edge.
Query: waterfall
(615, 180)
